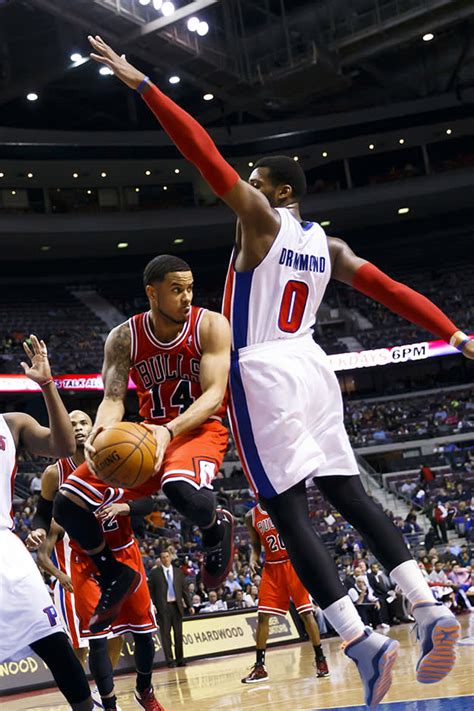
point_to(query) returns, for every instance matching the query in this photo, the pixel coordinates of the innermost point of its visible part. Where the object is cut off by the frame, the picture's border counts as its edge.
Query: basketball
(125, 454)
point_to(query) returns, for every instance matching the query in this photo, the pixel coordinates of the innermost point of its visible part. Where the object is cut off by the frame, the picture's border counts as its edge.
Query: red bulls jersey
(166, 374)
(274, 547)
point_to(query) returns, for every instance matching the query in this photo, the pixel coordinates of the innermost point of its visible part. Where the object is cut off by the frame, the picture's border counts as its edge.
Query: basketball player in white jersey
(286, 407)
(27, 616)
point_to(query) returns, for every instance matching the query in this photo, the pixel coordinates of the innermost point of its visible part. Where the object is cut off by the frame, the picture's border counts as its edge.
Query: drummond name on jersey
(302, 262)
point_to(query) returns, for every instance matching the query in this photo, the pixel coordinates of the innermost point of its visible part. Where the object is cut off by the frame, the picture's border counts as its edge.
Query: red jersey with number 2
(272, 543)
(167, 374)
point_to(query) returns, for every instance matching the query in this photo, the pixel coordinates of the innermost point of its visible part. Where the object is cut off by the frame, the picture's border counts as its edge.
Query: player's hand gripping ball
(124, 455)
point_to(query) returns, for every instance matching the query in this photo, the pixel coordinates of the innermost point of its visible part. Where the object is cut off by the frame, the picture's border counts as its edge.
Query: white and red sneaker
(147, 700)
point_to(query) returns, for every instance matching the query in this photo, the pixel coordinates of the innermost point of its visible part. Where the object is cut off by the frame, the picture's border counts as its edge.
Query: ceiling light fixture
(371, 147)
(147, 172)
(165, 187)
(295, 158)
(208, 97)
(428, 37)
(177, 171)
(45, 248)
(193, 24)
(449, 131)
(250, 164)
(122, 245)
(137, 190)
(174, 79)
(76, 57)
(403, 210)
(103, 174)
(157, 4)
(32, 96)
(144, 2)
(2, 175)
(105, 71)
(202, 29)
(167, 9)
(75, 175)
(325, 154)
(179, 240)
(325, 223)
(30, 175)
(89, 192)
(401, 141)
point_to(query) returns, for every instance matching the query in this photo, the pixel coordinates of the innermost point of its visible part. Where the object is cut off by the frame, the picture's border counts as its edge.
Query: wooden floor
(215, 684)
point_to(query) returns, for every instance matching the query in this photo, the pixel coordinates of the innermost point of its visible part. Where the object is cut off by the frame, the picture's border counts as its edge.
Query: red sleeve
(403, 301)
(192, 140)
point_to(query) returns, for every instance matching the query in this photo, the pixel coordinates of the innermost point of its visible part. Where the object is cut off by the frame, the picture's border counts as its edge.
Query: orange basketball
(125, 454)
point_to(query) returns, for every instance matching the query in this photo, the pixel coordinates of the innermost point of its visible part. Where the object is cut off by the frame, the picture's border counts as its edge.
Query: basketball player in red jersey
(279, 585)
(178, 355)
(268, 212)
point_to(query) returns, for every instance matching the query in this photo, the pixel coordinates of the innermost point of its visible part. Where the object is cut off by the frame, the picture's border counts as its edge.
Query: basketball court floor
(214, 684)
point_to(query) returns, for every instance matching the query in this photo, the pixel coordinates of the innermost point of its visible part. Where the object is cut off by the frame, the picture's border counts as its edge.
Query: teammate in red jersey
(179, 356)
(279, 585)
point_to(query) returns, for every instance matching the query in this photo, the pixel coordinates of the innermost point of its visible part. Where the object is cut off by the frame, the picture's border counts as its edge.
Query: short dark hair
(285, 171)
(160, 266)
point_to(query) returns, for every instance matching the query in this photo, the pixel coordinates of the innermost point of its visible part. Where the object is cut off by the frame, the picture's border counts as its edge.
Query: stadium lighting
(250, 164)
(105, 71)
(193, 24)
(76, 57)
(296, 158)
(137, 190)
(89, 192)
(167, 9)
(144, 2)
(403, 210)
(325, 223)
(401, 141)
(157, 4)
(13, 192)
(208, 97)
(30, 175)
(174, 79)
(179, 240)
(75, 175)
(122, 245)
(428, 37)
(32, 96)
(449, 131)
(147, 172)
(2, 175)
(45, 248)
(177, 171)
(202, 29)
(165, 187)
(103, 174)
(325, 154)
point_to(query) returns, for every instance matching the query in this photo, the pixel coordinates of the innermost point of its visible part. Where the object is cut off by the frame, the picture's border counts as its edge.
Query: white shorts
(27, 613)
(287, 415)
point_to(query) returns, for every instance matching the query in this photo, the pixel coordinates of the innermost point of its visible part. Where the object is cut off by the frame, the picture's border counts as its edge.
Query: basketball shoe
(374, 656)
(114, 593)
(218, 559)
(257, 673)
(438, 631)
(322, 669)
(147, 700)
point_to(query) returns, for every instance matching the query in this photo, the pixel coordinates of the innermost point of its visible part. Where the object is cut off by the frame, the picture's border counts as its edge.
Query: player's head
(82, 426)
(168, 283)
(280, 178)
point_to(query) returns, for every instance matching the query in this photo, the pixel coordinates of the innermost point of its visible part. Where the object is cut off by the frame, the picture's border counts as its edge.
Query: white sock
(345, 619)
(410, 579)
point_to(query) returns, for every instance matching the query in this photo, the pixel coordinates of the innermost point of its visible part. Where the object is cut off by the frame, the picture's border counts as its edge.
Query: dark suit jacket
(380, 587)
(159, 589)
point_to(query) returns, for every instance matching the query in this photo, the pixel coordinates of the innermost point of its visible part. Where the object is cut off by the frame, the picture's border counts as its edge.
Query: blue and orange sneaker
(438, 631)
(374, 655)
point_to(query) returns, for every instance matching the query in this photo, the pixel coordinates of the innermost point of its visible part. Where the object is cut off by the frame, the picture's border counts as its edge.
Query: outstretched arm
(397, 297)
(253, 209)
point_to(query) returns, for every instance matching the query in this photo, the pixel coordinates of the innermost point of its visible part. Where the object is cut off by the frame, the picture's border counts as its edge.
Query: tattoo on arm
(117, 363)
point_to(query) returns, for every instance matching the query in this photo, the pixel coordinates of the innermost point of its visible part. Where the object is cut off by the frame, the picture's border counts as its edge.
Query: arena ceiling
(260, 59)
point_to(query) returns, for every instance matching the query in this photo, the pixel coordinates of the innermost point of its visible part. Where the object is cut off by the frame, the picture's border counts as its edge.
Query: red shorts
(136, 614)
(194, 457)
(279, 585)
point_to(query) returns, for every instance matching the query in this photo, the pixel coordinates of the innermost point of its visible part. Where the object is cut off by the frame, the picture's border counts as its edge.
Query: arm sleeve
(43, 514)
(141, 507)
(403, 301)
(192, 140)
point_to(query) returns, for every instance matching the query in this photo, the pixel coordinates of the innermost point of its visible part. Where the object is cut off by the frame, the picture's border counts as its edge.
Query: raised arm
(399, 298)
(258, 219)
(115, 374)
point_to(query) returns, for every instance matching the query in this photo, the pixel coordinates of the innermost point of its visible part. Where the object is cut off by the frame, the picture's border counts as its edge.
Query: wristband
(461, 345)
(142, 85)
(170, 431)
(458, 340)
(46, 382)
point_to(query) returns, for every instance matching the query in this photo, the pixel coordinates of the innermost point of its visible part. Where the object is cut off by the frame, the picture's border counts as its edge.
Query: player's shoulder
(119, 338)
(18, 423)
(213, 325)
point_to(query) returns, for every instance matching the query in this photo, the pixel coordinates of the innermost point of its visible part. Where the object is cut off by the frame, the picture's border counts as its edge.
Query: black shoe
(171, 665)
(218, 559)
(114, 593)
(182, 663)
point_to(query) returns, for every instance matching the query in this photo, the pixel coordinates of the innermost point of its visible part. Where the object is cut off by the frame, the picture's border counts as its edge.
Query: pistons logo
(3, 443)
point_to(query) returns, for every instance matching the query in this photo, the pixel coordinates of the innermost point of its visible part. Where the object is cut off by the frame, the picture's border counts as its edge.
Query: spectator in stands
(461, 579)
(441, 585)
(391, 599)
(251, 596)
(35, 486)
(430, 538)
(407, 488)
(196, 603)
(213, 604)
(237, 601)
(232, 584)
(439, 520)
(426, 475)
(368, 606)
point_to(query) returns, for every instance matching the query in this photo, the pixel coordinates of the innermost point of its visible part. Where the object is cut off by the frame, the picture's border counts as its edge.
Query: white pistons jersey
(7, 474)
(279, 299)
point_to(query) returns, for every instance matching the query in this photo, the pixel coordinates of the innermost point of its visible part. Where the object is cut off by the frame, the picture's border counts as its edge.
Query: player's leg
(56, 652)
(437, 627)
(189, 466)
(144, 654)
(311, 627)
(102, 672)
(81, 654)
(373, 653)
(258, 672)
